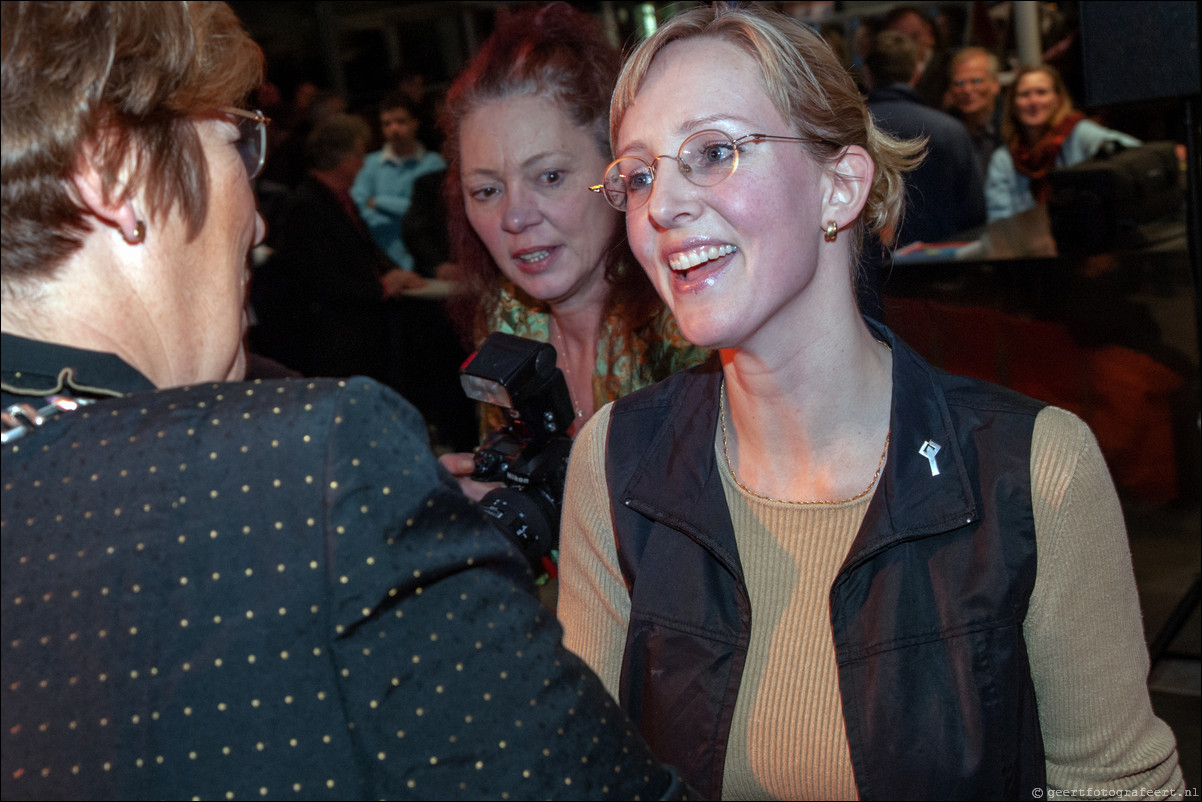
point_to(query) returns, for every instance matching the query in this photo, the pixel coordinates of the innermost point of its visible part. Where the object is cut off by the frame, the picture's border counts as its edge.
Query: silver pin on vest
(929, 449)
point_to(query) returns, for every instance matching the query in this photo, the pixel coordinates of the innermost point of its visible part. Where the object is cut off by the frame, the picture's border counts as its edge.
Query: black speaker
(1138, 51)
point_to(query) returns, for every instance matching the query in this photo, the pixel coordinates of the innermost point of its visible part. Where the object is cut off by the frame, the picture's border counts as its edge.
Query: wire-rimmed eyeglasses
(252, 138)
(706, 158)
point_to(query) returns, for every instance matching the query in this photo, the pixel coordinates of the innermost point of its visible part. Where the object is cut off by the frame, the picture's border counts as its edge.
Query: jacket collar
(678, 483)
(387, 154)
(894, 93)
(31, 368)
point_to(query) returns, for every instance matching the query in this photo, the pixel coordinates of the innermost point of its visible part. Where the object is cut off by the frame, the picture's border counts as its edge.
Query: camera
(530, 453)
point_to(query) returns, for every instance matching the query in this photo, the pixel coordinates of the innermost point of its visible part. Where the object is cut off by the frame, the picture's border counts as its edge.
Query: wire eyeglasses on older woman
(252, 138)
(706, 158)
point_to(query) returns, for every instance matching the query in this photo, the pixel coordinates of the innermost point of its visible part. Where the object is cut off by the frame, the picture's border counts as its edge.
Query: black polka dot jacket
(270, 590)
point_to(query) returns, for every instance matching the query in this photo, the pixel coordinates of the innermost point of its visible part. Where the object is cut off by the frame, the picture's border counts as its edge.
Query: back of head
(335, 138)
(893, 59)
(114, 85)
(806, 83)
(323, 104)
(552, 51)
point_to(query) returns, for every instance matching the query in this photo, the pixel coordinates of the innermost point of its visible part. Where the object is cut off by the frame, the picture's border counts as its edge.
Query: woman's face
(526, 172)
(756, 233)
(206, 296)
(1036, 101)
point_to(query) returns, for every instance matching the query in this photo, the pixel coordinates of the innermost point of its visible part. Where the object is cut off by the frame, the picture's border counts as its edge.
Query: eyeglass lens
(705, 159)
(252, 144)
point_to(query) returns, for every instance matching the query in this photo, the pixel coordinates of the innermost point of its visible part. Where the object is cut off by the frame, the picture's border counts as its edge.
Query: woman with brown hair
(541, 256)
(1042, 131)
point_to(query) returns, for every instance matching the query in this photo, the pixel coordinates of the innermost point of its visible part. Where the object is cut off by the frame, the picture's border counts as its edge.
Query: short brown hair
(335, 138)
(892, 59)
(807, 84)
(400, 100)
(122, 78)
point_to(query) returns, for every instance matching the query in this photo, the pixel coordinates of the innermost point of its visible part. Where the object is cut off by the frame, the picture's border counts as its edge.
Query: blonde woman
(817, 567)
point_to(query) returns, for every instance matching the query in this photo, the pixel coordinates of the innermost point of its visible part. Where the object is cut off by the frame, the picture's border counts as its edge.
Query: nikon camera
(530, 453)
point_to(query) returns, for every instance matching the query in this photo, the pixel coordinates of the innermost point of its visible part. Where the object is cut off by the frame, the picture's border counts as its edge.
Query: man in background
(931, 76)
(383, 189)
(974, 94)
(320, 299)
(945, 195)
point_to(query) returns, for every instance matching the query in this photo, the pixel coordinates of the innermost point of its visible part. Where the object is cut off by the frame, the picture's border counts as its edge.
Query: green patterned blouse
(625, 362)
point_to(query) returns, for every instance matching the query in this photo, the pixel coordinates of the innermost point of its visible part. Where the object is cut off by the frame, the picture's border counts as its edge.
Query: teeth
(535, 256)
(706, 253)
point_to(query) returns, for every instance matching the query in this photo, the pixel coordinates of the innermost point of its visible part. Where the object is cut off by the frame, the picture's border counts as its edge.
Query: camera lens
(527, 517)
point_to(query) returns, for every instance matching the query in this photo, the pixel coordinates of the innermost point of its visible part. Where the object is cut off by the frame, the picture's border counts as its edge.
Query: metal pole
(1026, 33)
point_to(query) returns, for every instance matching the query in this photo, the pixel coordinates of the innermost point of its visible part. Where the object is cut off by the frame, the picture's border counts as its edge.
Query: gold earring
(139, 233)
(832, 231)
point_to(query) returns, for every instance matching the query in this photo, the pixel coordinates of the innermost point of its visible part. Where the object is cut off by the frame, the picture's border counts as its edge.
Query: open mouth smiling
(687, 260)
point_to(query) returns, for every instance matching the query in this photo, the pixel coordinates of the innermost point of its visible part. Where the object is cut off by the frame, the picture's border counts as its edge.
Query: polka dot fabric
(269, 590)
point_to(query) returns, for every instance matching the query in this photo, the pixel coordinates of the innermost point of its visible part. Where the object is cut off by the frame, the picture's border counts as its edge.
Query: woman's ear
(110, 209)
(849, 182)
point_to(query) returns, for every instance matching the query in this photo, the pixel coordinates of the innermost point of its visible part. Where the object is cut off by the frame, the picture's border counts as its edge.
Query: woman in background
(816, 567)
(1042, 131)
(542, 257)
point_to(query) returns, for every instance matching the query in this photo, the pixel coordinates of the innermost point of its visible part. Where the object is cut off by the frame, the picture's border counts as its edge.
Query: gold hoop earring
(832, 231)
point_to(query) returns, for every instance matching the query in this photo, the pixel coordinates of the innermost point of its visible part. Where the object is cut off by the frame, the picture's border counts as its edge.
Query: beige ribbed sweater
(1083, 628)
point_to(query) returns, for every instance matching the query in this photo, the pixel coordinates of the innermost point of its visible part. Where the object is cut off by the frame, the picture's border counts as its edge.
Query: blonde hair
(123, 78)
(807, 84)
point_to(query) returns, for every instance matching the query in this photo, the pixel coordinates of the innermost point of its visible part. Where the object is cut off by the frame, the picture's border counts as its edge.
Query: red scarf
(1036, 161)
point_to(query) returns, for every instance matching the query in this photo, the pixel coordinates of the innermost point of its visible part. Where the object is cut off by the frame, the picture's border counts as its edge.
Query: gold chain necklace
(748, 490)
(567, 372)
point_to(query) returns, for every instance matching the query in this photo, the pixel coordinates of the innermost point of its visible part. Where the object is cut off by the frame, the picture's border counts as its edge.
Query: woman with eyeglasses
(1041, 131)
(541, 257)
(214, 588)
(816, 567)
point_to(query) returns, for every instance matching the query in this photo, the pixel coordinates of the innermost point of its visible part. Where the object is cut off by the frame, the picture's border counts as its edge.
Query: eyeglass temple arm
(776, 137)
(247, 114)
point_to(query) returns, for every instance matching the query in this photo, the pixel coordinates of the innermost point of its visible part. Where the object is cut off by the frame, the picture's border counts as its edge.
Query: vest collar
(911, 500)
(677, 480)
